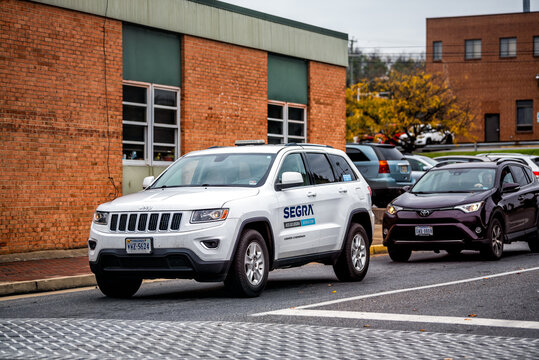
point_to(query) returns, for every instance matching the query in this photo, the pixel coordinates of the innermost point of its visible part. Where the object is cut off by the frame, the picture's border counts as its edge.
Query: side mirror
(290, 179)
(510, 187)
(147, 181)
(406, 188)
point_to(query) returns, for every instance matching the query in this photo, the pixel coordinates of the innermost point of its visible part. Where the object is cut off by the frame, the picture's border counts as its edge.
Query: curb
(378, 249)
(41, 285)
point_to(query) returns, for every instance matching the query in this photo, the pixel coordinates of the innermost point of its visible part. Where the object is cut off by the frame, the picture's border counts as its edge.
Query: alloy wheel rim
(254, 263)
(497, 243)
(359, 252)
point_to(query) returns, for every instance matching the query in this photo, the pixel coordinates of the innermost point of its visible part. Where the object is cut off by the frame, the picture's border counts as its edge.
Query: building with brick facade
(492, 61)
(96, 95)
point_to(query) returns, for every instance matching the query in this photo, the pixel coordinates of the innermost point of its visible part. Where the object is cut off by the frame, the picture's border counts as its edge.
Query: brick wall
(492, 84)
(224, 94)
(327, 107)
(53, 124)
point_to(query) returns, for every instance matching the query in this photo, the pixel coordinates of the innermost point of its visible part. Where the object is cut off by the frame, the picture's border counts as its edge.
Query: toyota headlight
(201, 216)
(101, 217)
(470, 207)
(393, 209)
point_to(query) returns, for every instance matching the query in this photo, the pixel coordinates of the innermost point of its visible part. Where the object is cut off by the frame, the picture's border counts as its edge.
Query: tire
(494, 249)
(398, 254)
(533, 244)
(249, 270)
(353, 262)
(118, 287)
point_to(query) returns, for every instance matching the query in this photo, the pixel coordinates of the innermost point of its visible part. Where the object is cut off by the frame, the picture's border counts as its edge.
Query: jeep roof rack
(308, 144)
(249, 142)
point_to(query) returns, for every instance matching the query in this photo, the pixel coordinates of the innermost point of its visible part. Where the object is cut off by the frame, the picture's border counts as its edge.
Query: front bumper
(451, 230)
(162, 263)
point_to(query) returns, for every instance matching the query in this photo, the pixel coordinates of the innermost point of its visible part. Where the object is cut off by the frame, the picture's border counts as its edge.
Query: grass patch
(447, 153)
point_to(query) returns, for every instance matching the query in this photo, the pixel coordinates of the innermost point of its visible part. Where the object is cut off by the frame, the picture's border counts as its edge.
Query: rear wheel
(353, 263)
(494, 249)
(249, 270)
(534, 243)
(118, 287)
(398, 254)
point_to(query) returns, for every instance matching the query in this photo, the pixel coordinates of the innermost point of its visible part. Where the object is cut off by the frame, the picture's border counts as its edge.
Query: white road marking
(534, 325)
(300, 310)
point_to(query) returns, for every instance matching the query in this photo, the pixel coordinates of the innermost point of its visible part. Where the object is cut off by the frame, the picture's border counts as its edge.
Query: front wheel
(398, 254)
(118, 287)
(494, 249)
(249, 270)
(353, 263)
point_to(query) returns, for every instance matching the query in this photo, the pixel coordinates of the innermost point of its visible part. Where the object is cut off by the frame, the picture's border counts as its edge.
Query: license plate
(404, 169)
(138, 246)
(423, 231)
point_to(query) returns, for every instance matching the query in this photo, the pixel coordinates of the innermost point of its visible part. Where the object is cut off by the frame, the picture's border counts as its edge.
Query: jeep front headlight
(101, 217)
(210, 215)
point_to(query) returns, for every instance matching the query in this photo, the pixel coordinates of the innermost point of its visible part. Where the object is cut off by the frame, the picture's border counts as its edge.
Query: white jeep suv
(233, 214)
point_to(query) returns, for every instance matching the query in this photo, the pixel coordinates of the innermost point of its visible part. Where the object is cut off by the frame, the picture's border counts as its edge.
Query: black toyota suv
(478, 206)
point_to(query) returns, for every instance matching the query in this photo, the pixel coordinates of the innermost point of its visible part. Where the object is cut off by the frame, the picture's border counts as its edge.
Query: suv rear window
(389, 153)
(320, 168)
(356, 155)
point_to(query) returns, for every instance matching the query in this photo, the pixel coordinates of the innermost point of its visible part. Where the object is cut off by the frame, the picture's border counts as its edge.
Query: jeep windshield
(243, 170)
(455, 180)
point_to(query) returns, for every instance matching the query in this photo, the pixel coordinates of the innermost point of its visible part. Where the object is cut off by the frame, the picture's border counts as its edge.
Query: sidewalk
(65, 269)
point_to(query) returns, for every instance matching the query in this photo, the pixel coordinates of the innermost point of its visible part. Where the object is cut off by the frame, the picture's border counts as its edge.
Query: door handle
(521, 197)
(343, 190)
(311, 194)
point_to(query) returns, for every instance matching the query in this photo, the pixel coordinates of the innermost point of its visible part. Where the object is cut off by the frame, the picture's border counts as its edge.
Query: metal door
(492, 127)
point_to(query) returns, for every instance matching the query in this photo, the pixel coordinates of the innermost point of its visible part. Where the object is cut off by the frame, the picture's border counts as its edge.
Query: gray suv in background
(384, 167)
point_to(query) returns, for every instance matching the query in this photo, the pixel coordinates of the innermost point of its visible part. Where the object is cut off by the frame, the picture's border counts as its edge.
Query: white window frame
(285, 121)
(508, 47)
(150, 124)
(437, 53)
(476, 49)
(536, 46)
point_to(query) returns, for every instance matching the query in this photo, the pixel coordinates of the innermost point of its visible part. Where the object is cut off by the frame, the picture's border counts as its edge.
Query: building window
(286, 123)
(151, 123)
(524, 115)
(473, 49)
(508, 47)
(437, 51)
(536, 46)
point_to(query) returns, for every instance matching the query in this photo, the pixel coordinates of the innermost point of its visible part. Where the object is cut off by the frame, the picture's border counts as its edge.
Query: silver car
(531, 160)
(420, 164)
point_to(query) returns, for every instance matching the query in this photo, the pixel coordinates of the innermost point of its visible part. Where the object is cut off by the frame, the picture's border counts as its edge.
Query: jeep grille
(145, 222)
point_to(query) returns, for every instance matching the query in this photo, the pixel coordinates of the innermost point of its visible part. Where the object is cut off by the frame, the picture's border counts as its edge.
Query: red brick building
(493, 62)
(97, 95)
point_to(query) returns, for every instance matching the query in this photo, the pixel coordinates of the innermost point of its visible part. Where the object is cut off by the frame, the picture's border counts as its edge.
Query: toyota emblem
(424, 213)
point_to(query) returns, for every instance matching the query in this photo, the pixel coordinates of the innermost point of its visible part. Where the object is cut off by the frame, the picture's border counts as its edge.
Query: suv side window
(320, 168)
(356, 155)
(506, 176)
(342, 169)
(519, 175)
(531, 176)
(294, 163)
(416, 165)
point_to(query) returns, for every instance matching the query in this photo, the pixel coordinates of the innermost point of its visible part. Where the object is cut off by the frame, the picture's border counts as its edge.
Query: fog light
(385, 232)
(92, 244)
(210, 244)
(478, 230)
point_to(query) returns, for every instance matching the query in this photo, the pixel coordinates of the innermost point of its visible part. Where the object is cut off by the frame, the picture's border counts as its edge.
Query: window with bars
(473, 49)
(151, 123)
(508, 47)
(286, 123)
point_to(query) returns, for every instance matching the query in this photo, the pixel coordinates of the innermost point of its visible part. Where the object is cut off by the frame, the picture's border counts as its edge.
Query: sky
(387, 26)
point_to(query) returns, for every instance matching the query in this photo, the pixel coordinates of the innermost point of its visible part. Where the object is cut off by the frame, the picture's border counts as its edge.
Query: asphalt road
(453, 299)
